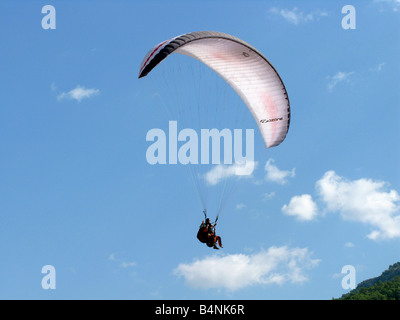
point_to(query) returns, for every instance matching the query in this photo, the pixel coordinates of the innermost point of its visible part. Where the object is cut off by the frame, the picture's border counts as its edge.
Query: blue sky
(76, 191)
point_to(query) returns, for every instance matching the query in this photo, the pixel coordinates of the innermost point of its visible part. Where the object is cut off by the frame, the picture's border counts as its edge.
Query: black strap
(205, 217)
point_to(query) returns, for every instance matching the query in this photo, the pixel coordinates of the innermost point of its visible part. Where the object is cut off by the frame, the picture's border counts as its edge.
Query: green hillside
(384, 287)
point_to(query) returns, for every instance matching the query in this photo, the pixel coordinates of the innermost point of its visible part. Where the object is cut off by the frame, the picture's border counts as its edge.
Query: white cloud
(393, 4)
(378, 68)
(123, 264)
(302, 207)
(337, 78)
(240, 206)
(128, 264)
(274, 174)
(296, 17)
(221, 172)
(268, 195)
(78, 93)
(236, 271)
(363, 200)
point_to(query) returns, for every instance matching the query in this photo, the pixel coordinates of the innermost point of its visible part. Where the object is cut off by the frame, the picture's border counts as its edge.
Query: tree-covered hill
(384, 287)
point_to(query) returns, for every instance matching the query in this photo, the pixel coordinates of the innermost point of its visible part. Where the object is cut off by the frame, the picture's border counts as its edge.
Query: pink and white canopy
(244, 68)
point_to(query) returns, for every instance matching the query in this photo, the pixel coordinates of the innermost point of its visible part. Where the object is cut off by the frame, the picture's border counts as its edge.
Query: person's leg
(219, 241)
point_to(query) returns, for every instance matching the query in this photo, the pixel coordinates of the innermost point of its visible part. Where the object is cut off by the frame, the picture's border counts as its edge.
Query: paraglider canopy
(243, 67)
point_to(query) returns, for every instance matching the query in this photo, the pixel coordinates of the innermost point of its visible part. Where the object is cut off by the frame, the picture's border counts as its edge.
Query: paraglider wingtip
(141, 74)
